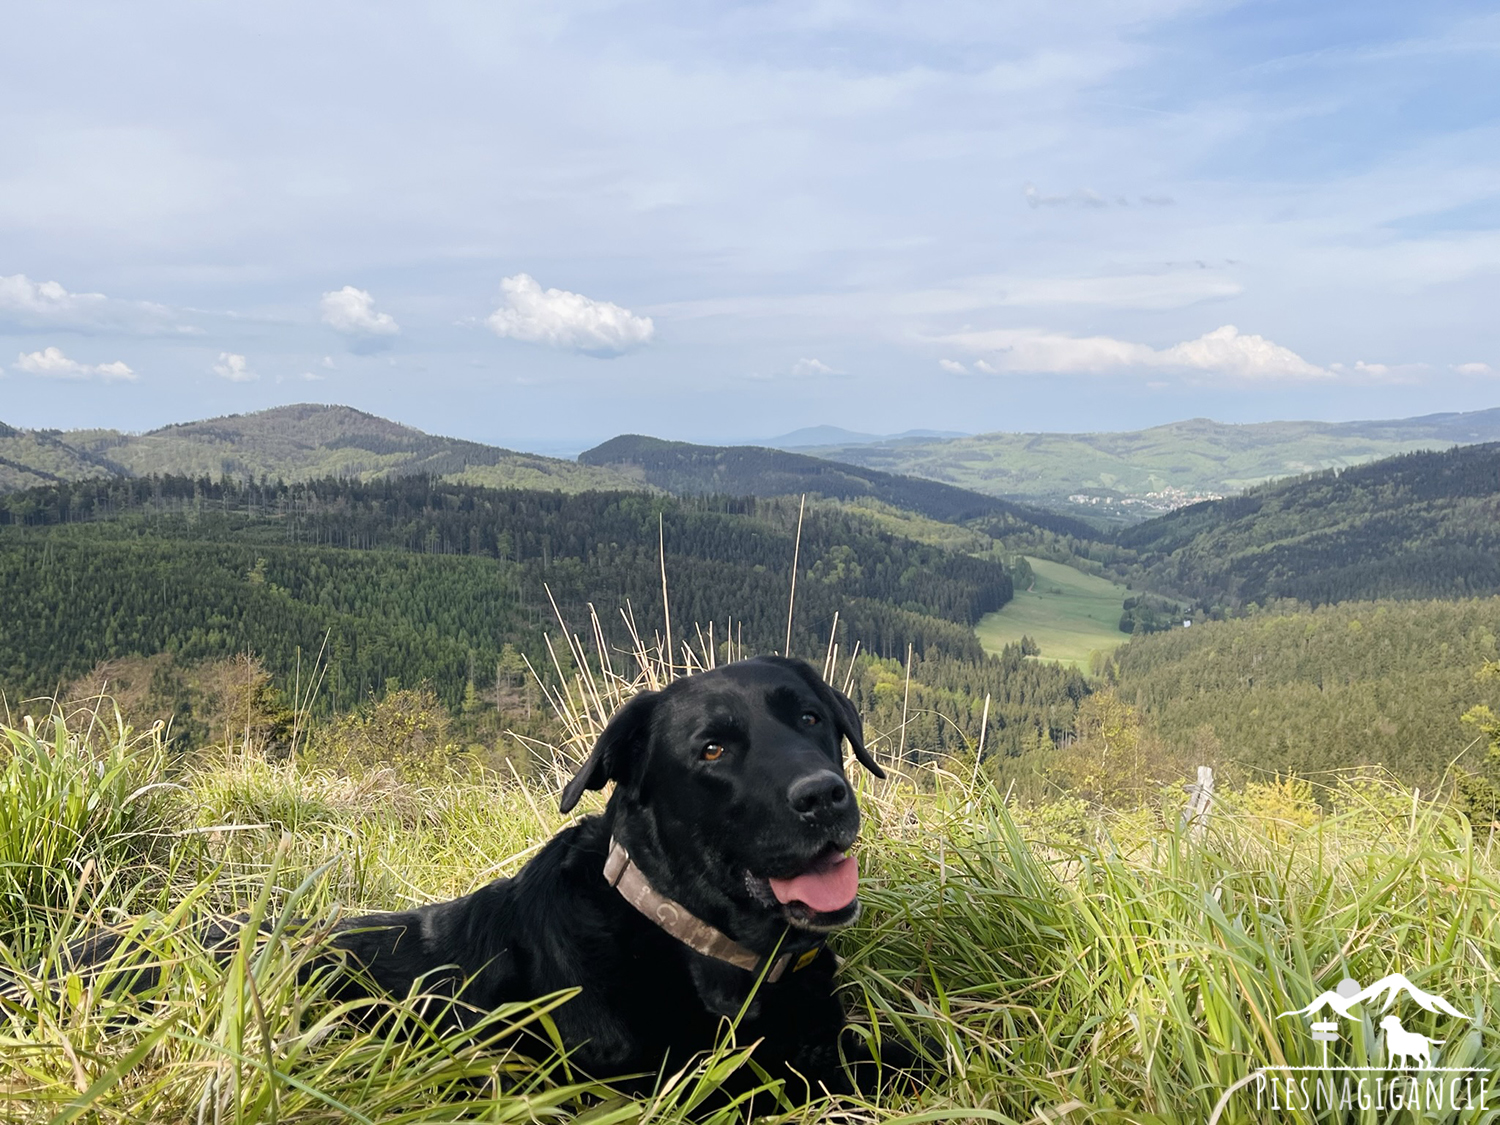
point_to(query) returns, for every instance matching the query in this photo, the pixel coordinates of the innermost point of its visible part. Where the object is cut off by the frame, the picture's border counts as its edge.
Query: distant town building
(1166, 500)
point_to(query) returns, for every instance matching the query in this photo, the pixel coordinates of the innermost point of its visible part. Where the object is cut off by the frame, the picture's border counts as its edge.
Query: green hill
(1361, 683)
(749, 470)
(1129, 476)
(1421, 525)
(29, 458)
(292, 443)
(418, 582)
(414, 581)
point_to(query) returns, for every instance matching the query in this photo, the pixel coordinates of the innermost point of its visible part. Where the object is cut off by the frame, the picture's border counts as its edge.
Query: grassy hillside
(29, 458)
(292, 443)
(1420, 525)
(1130, 476)
(1064, 966)
(748, 470)
(1070, 615)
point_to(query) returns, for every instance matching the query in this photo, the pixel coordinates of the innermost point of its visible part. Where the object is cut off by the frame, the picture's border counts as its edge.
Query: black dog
(719, 862)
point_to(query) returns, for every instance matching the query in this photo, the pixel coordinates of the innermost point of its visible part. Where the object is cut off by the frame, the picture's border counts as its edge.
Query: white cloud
(312, 377)
(566, 320)
(41, 301)
(52, 363)
(954, 366)
(813, 367)
(327, 361)
(1474, 369)
(352, 312)
(1032, 350)
(1380, 372)
(46, 304)
(1392, 373)
(234, 367)
(1227, 351)
(1224, 351)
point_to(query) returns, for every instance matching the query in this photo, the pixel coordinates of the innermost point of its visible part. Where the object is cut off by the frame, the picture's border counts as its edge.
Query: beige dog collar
(622, 874)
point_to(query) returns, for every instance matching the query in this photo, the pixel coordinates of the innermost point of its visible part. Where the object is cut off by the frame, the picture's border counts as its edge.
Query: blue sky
(543, 224)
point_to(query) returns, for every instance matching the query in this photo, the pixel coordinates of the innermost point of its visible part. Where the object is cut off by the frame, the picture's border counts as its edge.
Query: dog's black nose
(819, 795)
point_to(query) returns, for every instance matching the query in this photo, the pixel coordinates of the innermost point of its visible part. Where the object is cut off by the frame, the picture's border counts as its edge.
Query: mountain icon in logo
(1349, 995)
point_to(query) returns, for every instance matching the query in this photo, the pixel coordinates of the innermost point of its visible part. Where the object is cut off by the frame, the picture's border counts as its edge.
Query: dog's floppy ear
(610, 758)
(850, 725)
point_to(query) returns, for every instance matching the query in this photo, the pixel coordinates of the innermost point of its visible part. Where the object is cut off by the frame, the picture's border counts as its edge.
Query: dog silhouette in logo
(1407, 1045)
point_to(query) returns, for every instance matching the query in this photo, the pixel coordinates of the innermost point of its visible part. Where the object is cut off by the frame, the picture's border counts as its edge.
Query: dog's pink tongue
(827, 888)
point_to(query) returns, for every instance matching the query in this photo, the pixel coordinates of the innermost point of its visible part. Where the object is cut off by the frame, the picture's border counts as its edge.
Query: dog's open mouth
(824, 896)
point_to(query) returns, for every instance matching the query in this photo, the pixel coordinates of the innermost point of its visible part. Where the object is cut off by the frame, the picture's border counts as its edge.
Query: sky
(543, 224)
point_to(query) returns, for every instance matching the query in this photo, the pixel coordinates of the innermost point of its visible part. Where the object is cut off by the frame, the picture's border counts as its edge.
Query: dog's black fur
(707, 834)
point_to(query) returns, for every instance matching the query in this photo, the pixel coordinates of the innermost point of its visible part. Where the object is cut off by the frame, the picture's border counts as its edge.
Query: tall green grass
(1070, 965)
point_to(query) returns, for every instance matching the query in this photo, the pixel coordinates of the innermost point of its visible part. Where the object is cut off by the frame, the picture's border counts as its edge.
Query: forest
(411, 584)
(410, 581)
(1293, 690)
(1422, 525)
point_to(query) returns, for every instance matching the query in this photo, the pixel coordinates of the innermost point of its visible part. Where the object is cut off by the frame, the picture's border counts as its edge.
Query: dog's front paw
(890, 1065)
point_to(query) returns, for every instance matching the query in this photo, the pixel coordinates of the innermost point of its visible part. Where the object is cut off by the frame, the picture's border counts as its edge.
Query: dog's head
(731, 795)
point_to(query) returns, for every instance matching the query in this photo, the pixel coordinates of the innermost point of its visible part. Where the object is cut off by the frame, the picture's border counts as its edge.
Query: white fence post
(1200, 800)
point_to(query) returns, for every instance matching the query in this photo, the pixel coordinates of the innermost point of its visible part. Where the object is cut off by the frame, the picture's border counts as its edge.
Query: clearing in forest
(1068, 613)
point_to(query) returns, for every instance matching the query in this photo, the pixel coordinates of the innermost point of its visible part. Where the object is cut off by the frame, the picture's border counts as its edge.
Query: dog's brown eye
(809, 719)
(713, 751)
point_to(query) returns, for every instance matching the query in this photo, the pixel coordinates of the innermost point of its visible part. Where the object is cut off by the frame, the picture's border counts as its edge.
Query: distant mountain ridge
(1050, 480)
(811, 437)
(1128, 476)
(309, 441)
(682, 468)
(300, 442)
(1461, 428)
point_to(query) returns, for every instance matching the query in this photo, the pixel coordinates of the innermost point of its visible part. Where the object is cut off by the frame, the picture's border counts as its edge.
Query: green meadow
(1060, 964)
(1068, 613)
